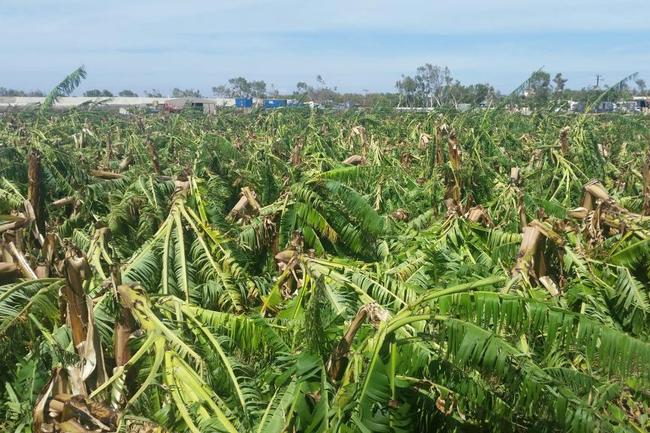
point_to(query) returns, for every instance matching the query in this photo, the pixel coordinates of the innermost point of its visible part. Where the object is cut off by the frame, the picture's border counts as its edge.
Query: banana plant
(306, 271)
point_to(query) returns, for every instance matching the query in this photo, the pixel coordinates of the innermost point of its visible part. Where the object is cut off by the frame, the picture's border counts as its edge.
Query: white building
(207, 104)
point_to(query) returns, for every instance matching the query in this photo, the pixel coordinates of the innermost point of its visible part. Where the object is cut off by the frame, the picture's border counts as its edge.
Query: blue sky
(354, 45)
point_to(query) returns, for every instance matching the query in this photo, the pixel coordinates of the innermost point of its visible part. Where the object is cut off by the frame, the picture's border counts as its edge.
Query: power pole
(598, 77)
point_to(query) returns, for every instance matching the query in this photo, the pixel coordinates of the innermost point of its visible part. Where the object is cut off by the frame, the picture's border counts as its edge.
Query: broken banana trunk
(478, 214)
(354, 160)
(604, 216)
(646, 185)
(22, 263)
(516, 182)
(338, 360)
(531, 258)
(63, 405)
(453, 185)
(34, 188)
(124, 325)
(247, 202)
(564, 140)
(58, 411)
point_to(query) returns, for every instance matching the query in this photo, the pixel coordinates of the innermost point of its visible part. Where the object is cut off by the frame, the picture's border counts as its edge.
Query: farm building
(208, 105)
(8, 102)
(275, 103)
(642, 102)
(244, 102)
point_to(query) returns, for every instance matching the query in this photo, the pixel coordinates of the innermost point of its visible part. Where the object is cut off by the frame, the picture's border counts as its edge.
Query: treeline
(433, 86)
(13, 92)
(93, 93)
(430, 86)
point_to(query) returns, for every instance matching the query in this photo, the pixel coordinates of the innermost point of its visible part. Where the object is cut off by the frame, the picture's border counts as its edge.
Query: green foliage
(65, 87)
(239, 312)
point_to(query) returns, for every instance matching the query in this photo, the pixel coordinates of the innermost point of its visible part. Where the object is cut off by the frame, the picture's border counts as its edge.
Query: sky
(363, 45)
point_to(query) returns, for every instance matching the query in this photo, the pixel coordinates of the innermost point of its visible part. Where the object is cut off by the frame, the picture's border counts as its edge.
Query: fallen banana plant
(306, 271)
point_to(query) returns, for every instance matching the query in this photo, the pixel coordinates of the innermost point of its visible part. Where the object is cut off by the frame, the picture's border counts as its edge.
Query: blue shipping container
(275, 103)
(244, 102)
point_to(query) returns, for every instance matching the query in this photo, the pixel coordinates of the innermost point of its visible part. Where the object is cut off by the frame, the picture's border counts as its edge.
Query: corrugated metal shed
(275, 103)
(244, 102)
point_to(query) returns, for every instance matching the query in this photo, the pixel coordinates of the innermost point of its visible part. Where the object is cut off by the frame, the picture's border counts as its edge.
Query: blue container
(275, 103)
(244, 102)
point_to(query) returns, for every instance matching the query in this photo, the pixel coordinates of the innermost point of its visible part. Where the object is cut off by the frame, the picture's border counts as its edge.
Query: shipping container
(244, 102)
(275, 103)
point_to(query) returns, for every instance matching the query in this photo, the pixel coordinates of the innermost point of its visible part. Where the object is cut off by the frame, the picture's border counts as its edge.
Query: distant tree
(640, 85)
(486, 94)
(585, 94)
(272, 92)
(474, 94)
(481, 94)
(221, 91)
(369, 99)
(128, 93)
(431, 86)
(321, 93)
(185, 93)
(433, 83)
(539, 87)
(13, 92)
(258, 89)
(560, 83)
(406, 88)
(153, 93)
(96, 93)
(301, 88)
(302, 91)
(240, 87)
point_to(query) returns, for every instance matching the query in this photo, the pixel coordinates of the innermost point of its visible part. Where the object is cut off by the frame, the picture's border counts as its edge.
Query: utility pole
(598, 77)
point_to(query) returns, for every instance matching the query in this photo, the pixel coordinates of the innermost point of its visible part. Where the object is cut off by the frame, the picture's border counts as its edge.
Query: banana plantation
(304, 271)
